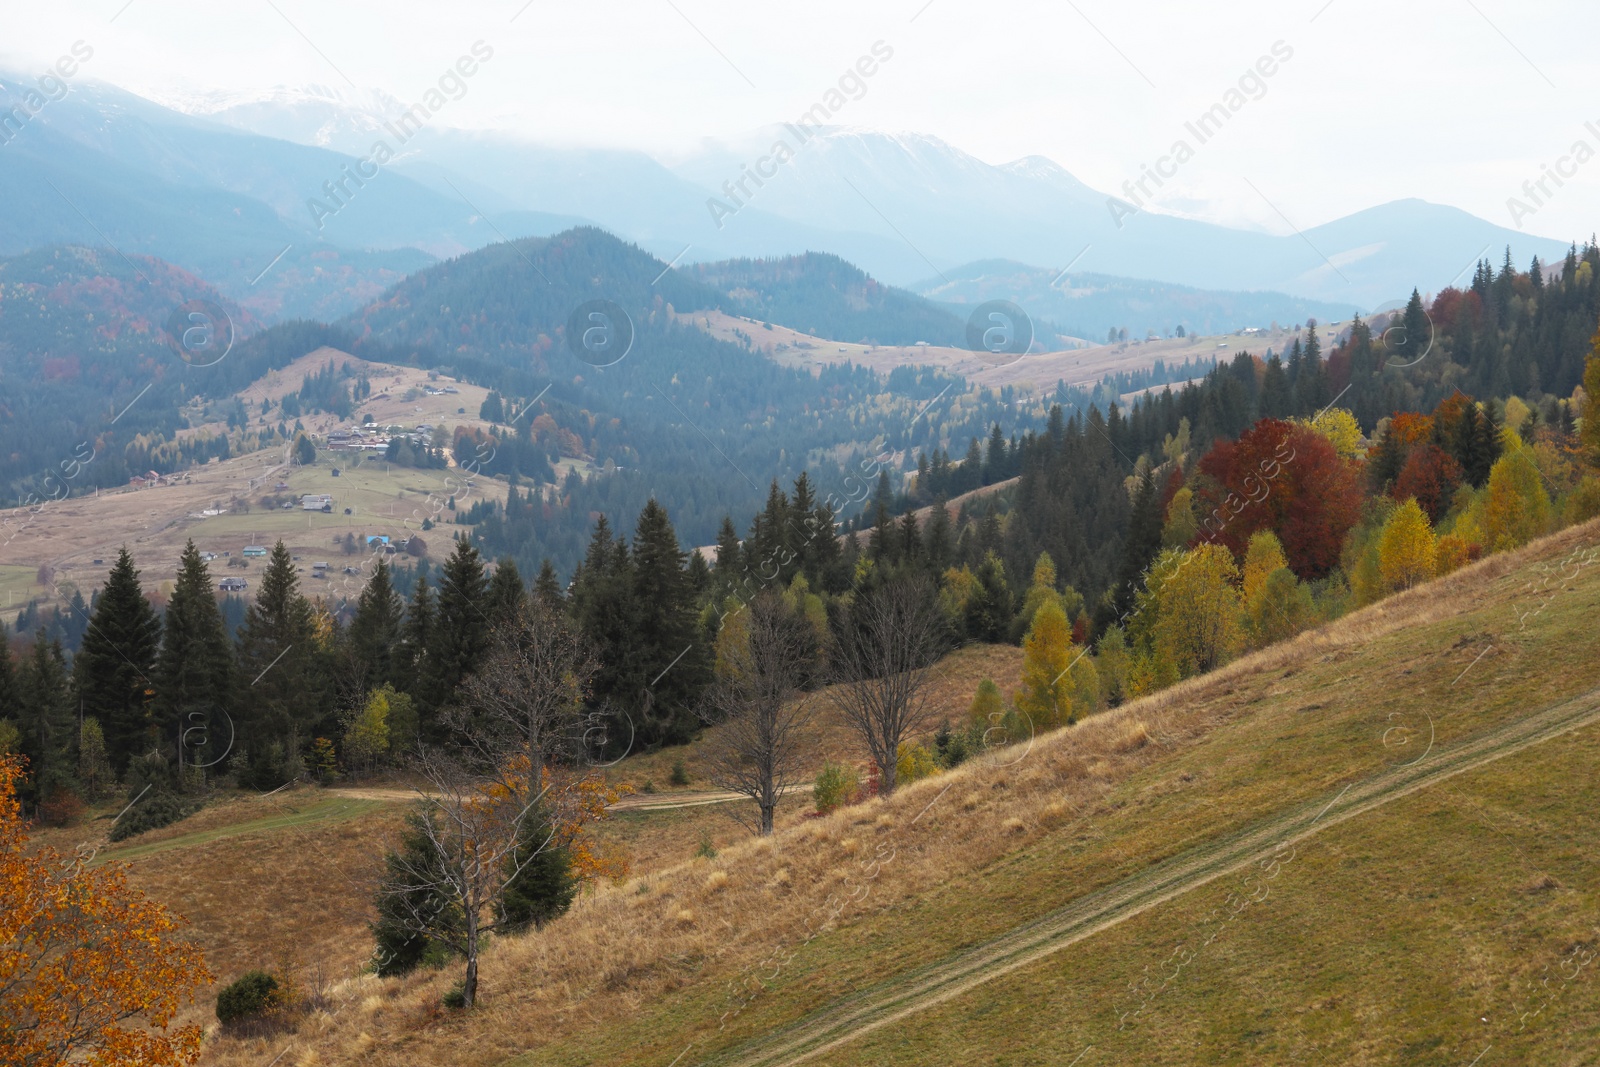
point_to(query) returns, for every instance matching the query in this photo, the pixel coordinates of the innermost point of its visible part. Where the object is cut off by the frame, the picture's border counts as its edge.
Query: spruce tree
(46, 720)
(194, 669)
(114, 669)
(547, 587)
(1276, 399)
(730, 561)
(416, 636)
(374, 633)
(10, 696)
(673, 664)
(282, 690)
(507, 596)
(460, 633)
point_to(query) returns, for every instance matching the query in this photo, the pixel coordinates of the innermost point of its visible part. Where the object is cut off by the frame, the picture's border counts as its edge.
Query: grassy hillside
(1368, 845)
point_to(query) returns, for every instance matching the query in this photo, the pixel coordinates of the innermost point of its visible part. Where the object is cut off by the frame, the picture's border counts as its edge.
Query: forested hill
(825, 296)
(703, 424)
(87, 369)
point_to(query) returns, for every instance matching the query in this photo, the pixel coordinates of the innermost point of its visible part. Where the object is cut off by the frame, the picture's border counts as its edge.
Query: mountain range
(227, 188)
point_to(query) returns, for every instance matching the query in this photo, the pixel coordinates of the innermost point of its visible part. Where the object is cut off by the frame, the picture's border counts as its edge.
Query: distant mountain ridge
(223, 191)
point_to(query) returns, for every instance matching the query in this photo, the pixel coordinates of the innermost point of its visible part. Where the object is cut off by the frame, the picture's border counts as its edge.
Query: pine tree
(547, 588)
(281, 685)
(416, 636)
(730, 557)
(374, 631)
(46, 719)
(507, 597)
(114, 669)
(989, 609)
(1311, 391)
(936, 537)
(460, 635)
(673, 664)
(195, 668)
(1276, 398)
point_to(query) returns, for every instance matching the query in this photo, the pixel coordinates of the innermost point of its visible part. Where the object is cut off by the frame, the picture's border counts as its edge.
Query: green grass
(302, 813)
(1395, 931)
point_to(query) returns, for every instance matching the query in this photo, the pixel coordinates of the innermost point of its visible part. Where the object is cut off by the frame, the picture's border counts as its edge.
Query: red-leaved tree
(1283, 477)
(1430, 476)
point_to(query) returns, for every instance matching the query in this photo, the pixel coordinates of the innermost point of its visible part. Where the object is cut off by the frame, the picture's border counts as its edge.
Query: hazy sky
(1454, 101)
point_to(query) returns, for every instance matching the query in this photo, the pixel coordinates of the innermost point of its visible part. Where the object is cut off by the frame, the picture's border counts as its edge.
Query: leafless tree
(527, 698)
(881, 666)
(763, 736)
(508, 789)
(481, 832)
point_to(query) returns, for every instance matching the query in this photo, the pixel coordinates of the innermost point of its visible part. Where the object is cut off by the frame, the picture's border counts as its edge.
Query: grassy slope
(1288, 728)
(1386, 938)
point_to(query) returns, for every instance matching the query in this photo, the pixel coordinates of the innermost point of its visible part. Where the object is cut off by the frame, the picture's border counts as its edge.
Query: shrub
(63, 808)
(836, 785)
(251, 995)
(153, 811)
(950, 749)
(912, 762)
(680, 773)
(456, 998)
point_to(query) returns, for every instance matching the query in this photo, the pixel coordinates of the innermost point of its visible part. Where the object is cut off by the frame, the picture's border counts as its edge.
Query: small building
(253, 551)
(233, 585)
(319, 566)
(377, 539)
(316, 502)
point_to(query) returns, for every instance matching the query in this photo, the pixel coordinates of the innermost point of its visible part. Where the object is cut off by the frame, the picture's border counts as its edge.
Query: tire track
(896, 999)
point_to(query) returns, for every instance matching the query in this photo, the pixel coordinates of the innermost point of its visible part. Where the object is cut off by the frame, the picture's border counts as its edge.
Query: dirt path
(908, 994)
(635, 802)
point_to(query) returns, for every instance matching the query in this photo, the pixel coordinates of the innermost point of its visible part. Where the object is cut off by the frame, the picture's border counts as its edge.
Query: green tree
(114, 669)
(460, 633)
(305, 453)
(988, 608)
(1590, 430)
(94, 766)
(282, 690)
(46, 719)
(1181, 526)
(672, 662)
(195, 667)
(507, 595)
(373, 636)
(366, 737)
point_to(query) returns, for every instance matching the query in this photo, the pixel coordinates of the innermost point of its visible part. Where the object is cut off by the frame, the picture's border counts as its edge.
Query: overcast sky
(1454, 101)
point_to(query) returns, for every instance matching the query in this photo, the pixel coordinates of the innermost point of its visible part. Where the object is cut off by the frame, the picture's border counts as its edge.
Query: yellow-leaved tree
(1589, 432)
(1200, 621)
(1516, 508)
(91, 972)
(1056, 674)
(1342, 431)
(1407, 548)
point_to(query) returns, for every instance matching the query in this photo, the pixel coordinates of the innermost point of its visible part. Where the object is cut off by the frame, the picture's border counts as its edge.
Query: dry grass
(671, 938)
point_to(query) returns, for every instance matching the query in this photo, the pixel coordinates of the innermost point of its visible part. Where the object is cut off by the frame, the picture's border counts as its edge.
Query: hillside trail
(894, 1000)
(632, 802)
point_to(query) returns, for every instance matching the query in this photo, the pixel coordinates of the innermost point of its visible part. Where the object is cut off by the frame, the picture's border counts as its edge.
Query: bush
(63, 808)
(950, 749)
(836, 785)
(456, 998)
(251, 995)
(912, 762)
(680, 773)
(153, 811)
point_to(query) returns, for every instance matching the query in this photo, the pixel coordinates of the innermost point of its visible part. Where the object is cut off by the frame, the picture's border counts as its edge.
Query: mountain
(1088, 305)
(825, 296)
(951, 208)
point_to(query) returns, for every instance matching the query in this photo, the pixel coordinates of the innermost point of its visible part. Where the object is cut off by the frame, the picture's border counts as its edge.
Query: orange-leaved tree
(90, 970)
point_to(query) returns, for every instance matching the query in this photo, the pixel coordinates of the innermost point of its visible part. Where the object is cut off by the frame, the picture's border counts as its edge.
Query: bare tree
(479, 833)
(509, 789)
(527, 699)
(763, 737)
(881, 666)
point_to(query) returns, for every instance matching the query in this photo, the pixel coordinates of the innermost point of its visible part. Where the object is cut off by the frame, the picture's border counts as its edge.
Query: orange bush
(89, 969)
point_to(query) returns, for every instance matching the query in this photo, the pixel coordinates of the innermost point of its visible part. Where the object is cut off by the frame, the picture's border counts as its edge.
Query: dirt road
(897, 998)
